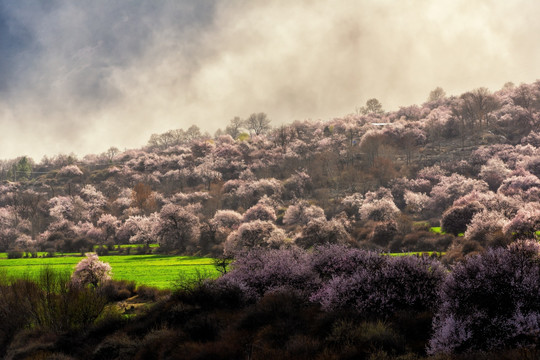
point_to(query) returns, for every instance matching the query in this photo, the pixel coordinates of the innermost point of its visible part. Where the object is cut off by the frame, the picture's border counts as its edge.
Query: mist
(83, 76)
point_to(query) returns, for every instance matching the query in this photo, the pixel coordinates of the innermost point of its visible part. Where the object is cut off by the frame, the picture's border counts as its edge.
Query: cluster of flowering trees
(339, 277)
(470, 162)
(488, 302)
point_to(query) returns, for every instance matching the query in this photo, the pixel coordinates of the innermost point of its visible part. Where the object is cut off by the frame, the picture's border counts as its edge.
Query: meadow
(159, 271)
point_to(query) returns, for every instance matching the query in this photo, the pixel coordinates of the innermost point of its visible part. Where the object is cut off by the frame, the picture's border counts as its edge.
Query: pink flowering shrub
(494, 172)
(384, 286)
(332, 260)
(416, 202)
(506, 205)
(297, 186)
(533, 139)
(91, 271)
(260, 211)
(433, 174)
(254, 234)
(138, 229)
(320, 231)
(490, 301)
(184, 199)
(484, 223)
(451, 188)
(260, 271)
(533, 165)
(109, 225)
(351, 204)
(68, 207)
(70, 171)
(95, 201)
(379, 206)
(229, 219)
(526, 222)
(251, 192)
(302, 213)
(519, 184)
(87, 230)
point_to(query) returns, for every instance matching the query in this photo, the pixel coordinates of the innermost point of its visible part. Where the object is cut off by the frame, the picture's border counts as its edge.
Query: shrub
(117, 290)
(365, 336)
(254, 234)
(177, 228)
(494, 172)
(261, 212)
(451, 188)
(209, 294)
(202, 328)
(525, 223)
(260, 271)
(384, 233)
(50, 302)
(320, 231)
(483, 224)
(333, 260)
(151, 293)
(228, 219)
(301, 213)
(379, 208)
(117, 346)
(455, 219)
(460, 249)
(102, 251)
(420, 241)
(15, 254)
(14, 308)
(490, 301)
(401, 283)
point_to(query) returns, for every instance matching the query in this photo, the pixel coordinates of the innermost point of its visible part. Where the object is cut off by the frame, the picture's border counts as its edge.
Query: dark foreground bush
(49, 302)
(151, 293)
(351, 304)
(117, 290)
(15, 254)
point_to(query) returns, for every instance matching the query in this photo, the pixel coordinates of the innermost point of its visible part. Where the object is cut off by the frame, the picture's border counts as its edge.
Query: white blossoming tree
(91, 271)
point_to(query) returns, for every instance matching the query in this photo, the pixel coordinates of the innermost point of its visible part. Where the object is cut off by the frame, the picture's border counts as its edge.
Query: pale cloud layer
(84, 76)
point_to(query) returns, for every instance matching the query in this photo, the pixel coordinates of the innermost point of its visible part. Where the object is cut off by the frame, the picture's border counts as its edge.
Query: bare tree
(258, 123)
(476, 105)
(234, 127)
(111, 153)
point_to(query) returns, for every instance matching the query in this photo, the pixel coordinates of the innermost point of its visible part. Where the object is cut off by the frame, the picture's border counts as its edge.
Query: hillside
(376, 180)
(292, 214)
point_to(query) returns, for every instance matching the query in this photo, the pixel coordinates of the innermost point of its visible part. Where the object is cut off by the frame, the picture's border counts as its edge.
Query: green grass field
(418, 253)
(153, 270)
(437, 230)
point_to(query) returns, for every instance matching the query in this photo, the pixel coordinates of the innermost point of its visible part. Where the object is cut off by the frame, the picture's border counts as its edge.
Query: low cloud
(83, 76)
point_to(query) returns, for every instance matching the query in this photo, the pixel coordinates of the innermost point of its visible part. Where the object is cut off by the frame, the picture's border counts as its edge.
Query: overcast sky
(81, 76)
